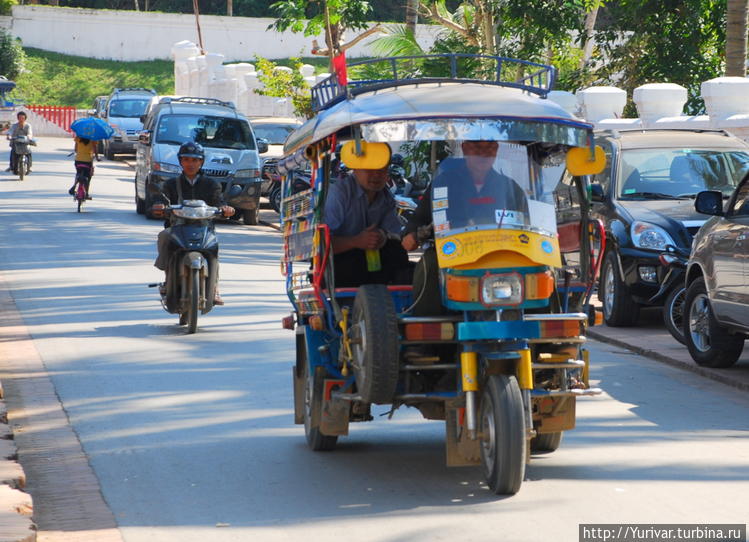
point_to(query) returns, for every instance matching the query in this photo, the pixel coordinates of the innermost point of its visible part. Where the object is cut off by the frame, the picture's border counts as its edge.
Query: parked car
(232, 154)
(123, 112)
(274, 131)
(97, 110)
(716, 306)
(645, 198)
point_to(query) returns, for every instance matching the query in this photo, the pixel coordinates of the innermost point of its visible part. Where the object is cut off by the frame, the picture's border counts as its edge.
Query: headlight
(650, 236)
(245, 173)
(502, 289)
(117, 129)
(166, 168)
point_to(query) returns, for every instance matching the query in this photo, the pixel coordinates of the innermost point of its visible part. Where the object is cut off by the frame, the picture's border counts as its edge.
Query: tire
(250, 216)
(21, 166)
(503, 442)
(374, 333)
(546, 442)
(275, 199)
(673, 313)
(183, 319)
(313, 390)
(108, 154)
(619, 310)
(709, 343)
(194, 299)
(80, 195)
(140, 205)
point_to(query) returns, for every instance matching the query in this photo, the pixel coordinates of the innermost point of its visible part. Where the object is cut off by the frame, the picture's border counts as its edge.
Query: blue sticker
(448, 248)
(547, 247)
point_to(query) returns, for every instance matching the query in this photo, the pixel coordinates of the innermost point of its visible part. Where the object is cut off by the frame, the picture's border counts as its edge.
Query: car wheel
(108, 154)
(275, 199)
(618, 307)
(709, 343)
(250, 217)
(140, 205)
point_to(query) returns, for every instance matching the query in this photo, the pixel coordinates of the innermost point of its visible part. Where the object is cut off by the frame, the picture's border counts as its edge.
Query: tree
(736, 15)
(329, 17)
(12, 57)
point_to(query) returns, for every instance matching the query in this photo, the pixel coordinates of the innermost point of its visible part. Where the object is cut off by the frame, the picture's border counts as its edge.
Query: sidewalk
(650, 339)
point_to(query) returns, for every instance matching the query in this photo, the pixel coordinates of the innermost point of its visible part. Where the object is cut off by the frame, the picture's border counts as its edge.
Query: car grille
(216, 172)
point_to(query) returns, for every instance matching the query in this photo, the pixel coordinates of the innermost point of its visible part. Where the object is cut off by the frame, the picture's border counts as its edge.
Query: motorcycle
(192, 270)
(673, 287)
(21, 146)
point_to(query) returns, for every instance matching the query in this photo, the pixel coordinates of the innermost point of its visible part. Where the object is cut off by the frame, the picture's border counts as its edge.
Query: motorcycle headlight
(505, 289)
(650, 236)
(166, 168)
(247, 173)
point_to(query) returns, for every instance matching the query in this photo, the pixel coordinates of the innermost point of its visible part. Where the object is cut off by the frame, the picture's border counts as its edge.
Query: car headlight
(506, 289)
(650, 236)
(117, 129)
(245, 173)
(166, 168)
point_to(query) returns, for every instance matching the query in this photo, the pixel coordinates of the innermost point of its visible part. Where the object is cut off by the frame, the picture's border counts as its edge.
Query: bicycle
(82, 180)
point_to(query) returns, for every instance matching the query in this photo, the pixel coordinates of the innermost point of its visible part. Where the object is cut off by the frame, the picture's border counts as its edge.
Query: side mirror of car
(142, 119)
(596, 192)
(262, 145)
(144, 137)
(709, 202)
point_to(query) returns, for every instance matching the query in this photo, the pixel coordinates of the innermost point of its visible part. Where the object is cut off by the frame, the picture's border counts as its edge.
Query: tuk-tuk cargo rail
(571, 364)
(507, 72)
(560, 316)
(435, 367)
(566, 393)
(580, 339)
(429, 319)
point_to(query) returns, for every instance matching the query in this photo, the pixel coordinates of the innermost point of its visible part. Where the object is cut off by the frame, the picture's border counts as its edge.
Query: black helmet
(191, 149)
(397, 160)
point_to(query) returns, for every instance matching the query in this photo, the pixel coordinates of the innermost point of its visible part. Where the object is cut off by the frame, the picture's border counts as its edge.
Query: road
(191, 437)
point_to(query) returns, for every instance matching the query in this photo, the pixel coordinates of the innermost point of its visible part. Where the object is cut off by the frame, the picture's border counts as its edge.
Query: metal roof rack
(196, 100)
(131, 89)
(411, 70)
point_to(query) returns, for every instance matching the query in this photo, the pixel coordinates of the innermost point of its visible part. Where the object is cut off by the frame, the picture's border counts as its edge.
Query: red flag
(339, 65)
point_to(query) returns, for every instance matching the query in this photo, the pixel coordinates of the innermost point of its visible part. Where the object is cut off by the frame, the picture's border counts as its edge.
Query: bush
(12, 56)
(6, 6)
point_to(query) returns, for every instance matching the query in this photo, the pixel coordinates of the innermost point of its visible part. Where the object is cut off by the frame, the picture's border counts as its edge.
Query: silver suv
(123, 111)
(231, 152)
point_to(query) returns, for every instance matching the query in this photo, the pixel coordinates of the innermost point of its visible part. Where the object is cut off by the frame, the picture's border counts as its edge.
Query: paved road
(191, 438)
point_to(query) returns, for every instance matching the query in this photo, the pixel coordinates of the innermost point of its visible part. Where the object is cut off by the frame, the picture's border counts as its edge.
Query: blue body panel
(517, 329)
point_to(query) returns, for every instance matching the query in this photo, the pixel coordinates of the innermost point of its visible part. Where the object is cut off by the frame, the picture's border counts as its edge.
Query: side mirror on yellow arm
(580, 162)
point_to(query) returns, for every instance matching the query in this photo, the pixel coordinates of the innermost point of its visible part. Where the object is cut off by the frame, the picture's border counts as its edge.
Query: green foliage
(308, 16)
(12, 57)
(6, 6)
(285, 84)
(55, 79)
(398, 41)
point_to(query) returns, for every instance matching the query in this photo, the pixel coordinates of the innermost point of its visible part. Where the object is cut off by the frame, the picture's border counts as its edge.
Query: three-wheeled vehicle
(503, 361)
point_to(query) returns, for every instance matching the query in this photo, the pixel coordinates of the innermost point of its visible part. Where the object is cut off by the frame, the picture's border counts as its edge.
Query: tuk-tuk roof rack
(501, 71)
(196, 100)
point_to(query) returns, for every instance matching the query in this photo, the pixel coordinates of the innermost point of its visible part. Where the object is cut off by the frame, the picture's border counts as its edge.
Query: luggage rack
(410, 70)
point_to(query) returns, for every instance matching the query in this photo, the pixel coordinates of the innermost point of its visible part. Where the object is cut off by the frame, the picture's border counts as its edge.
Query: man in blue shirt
(361, 215)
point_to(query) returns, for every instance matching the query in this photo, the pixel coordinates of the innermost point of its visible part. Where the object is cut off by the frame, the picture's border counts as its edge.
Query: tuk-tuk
(502, 361)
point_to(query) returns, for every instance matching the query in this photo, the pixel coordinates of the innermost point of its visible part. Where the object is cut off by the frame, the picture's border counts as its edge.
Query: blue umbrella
(92, 128)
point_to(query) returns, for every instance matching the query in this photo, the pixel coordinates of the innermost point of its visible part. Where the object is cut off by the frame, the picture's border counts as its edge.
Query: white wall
(130, 35)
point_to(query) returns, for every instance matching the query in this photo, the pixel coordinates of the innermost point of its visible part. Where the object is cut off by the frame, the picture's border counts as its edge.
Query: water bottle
(373, 259)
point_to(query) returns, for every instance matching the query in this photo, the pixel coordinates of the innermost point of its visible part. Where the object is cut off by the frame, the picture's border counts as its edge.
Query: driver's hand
(409, 242)
(227, 210)
(369, 239)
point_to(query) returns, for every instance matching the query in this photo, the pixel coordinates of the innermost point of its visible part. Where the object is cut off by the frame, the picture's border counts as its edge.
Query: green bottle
(373, 260)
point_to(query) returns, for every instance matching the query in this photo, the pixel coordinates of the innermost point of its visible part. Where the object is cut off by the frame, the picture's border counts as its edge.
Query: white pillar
(566, 100)
(659, 100)
(181, 51)
(598, 103)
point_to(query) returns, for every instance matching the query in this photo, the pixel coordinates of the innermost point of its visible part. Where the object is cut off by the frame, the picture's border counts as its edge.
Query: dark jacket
(204, 188)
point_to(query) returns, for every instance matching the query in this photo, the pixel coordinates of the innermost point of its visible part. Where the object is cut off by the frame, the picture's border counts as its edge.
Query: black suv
(645, 198)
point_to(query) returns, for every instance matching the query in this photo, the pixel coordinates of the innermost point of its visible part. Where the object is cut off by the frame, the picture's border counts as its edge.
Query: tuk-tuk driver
(361, 215)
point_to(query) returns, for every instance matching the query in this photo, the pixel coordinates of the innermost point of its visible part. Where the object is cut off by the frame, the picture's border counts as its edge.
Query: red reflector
(287, 322)
(439, 331)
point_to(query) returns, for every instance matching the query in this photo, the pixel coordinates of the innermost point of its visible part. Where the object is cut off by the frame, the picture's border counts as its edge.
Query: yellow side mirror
(579, 162)
(373, 155)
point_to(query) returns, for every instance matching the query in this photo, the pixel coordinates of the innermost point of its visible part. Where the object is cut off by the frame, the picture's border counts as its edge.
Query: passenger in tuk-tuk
(361, 216)
(469, 187)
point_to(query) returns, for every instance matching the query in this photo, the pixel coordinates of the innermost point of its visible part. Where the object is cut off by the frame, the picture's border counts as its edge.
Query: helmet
(191, 149)
(397, 160)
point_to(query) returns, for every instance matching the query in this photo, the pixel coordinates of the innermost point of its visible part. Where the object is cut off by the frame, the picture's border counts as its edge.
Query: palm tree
(736, 15)
(412, 15)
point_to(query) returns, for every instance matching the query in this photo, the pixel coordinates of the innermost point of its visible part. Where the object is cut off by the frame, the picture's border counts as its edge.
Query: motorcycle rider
(189, 185)
(20, 128)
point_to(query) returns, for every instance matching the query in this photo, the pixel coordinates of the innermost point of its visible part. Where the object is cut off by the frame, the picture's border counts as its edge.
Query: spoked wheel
(193, 300)
(673, 313)
(546, 442)
(374, 337)
(503, 443)
(313, 393)
(709, 344)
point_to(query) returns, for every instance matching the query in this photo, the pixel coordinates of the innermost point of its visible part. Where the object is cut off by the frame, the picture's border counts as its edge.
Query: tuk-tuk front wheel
(503, 442)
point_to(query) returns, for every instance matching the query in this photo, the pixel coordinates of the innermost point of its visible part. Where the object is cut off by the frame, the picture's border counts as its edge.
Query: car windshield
(679, 173)
(489, 184)
(214, 132)
(128, 108)
(274, 134)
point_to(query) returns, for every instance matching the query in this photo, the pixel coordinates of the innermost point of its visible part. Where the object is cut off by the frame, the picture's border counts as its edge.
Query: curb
(712, 374)
(16, 506)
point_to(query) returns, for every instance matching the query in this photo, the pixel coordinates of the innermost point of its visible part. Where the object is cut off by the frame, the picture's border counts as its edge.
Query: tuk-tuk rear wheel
(374, 334)
(503, 442)
(546, 442)
(313, 391)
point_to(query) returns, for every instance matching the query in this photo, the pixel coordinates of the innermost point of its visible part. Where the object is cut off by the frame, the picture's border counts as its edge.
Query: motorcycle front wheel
(193, 300)
(21, 166)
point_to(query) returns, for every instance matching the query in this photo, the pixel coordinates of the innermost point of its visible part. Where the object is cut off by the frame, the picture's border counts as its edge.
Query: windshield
(679, 173)
(128, 108)
(274, 134)
(213, 132)
(489, 184)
